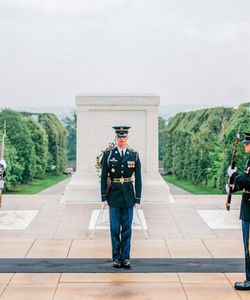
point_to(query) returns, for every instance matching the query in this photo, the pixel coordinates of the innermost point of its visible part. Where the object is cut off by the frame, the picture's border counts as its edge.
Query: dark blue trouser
(121, 231)
(245, 233)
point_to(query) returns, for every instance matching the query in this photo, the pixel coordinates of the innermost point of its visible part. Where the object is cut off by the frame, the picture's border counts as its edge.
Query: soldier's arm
(138, 180)
(104, 176)
(241, 182)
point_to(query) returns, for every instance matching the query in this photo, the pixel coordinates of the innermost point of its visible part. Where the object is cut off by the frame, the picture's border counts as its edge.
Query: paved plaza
(193, 227)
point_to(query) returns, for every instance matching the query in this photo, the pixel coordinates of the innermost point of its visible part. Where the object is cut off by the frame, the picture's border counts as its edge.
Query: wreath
(99, 157)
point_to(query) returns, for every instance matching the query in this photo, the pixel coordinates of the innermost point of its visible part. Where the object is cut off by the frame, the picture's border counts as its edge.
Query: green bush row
(35, 144)
(198, 145)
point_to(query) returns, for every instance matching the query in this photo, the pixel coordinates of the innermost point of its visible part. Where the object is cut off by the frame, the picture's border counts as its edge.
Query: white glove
(105, 203)
(136, 205)
(230, 171)
(227, 187)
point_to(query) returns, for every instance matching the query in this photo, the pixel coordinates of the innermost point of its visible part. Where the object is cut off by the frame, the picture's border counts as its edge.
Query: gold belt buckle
(121, 180)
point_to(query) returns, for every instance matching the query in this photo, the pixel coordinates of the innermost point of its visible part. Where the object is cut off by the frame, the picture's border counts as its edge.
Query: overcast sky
(187, 51)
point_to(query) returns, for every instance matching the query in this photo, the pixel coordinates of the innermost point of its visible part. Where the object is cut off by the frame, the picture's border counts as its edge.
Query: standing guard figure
(3, 166)
(118, 166)
(242, 182)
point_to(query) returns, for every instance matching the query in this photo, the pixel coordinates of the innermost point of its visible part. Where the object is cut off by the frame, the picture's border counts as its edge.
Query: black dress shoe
(242, 286)
(126, 264)
(117, 263)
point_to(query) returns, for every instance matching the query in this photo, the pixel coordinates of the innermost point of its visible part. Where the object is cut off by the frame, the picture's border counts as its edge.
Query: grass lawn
(37, 185)
(193, 188)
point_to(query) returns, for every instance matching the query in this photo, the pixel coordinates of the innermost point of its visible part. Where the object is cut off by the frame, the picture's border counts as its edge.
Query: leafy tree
(70, 125)
(57, 141)
(40, 141)
(14, 169)
(19, 137)
(193, 144)
(239, 120)
(161, 126)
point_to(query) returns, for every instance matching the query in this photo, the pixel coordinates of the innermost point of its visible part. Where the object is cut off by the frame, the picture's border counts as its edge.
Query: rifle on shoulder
(3, 139)
(233, 165)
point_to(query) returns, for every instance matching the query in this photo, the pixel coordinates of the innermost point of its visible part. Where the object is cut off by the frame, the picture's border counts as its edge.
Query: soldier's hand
(105, 203)
(230, 171)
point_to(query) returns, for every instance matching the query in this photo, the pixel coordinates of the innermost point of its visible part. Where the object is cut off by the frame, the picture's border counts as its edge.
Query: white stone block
(96, 115)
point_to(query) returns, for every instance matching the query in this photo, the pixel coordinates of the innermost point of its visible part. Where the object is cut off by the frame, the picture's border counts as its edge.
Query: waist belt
(122, 180)
(246, 191)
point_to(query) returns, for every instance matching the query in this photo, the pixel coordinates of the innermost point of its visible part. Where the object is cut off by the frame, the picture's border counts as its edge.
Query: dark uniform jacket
(242, 182)
(114, 167)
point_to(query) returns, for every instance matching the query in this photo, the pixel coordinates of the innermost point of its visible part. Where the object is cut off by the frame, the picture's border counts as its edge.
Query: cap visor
(246, 142)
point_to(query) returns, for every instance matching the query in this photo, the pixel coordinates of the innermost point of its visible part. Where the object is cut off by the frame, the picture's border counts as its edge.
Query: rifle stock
(229, 195)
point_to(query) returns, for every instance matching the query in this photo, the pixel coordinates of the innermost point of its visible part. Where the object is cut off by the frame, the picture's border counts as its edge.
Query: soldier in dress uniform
(119, 166)
(3, 166)
(242, 182)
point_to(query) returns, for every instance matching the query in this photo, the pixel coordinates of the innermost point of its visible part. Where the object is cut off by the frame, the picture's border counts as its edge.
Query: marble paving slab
(220, 219)
(103, 223)
(16, 219)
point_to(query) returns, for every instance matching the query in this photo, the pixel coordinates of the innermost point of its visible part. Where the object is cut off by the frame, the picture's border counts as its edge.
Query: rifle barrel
(233, 165)
(3, 139)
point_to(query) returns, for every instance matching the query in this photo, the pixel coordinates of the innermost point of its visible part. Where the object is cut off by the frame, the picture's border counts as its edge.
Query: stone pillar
(96, 114)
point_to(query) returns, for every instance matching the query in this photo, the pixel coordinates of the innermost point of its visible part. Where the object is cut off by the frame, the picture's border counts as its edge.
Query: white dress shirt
(120, 151)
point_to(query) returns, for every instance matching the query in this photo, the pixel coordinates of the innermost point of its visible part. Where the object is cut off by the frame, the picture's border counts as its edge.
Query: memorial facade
(96, 114)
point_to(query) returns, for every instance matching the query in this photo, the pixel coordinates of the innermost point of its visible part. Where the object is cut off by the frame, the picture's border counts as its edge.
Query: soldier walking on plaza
(242, 182)
(119, 165)
(3, 164)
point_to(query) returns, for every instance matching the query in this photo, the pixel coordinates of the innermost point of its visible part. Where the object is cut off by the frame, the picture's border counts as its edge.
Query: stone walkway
(175, 190)
(184, 229)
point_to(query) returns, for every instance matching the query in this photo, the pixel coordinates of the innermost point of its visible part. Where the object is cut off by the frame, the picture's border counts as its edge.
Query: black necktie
(122, 154)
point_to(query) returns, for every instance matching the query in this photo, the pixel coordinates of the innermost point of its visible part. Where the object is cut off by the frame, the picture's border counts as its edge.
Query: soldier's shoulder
(132, 150)
(109, 148)
(106, 153)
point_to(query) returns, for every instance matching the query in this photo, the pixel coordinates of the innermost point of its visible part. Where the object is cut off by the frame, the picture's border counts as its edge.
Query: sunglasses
(121, 137)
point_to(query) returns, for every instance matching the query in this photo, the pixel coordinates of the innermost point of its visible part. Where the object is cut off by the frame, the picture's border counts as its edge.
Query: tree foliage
(161, 126)
(19, 136)
(70, 125)
(57, 141)
(40, 141)
(196, 144)
(32, 148)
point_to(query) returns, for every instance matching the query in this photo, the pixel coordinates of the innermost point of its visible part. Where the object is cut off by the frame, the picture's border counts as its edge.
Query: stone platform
(184, 229)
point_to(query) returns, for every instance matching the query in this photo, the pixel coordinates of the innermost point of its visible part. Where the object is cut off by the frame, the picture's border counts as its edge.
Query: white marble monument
(96, 114)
